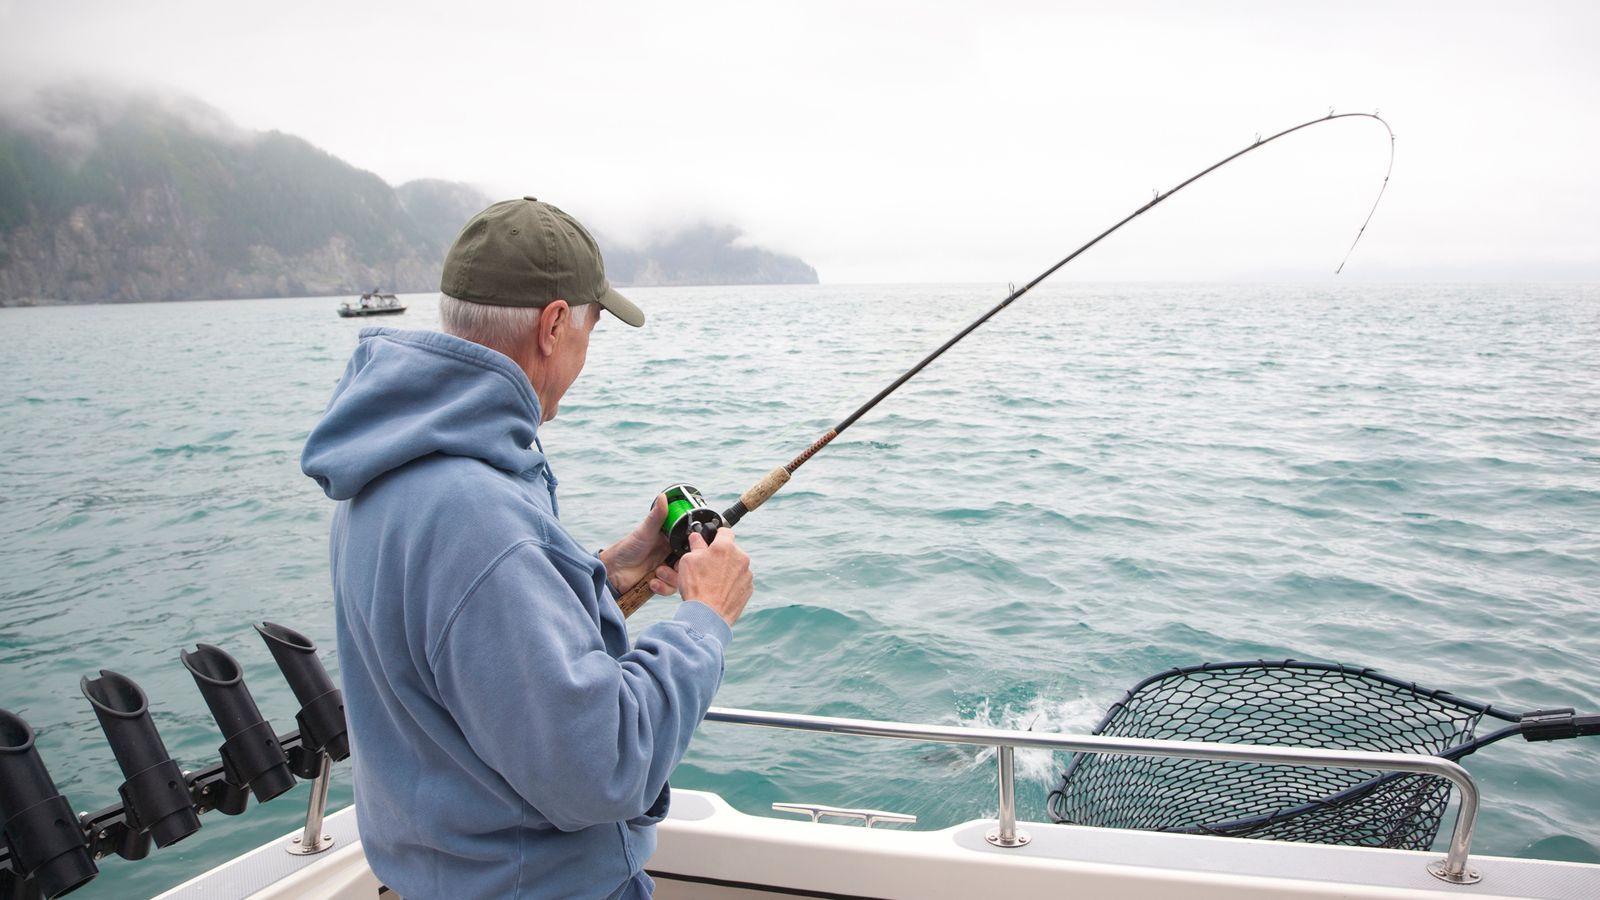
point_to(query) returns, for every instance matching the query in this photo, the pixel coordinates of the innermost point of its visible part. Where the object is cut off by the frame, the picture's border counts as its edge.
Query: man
(507, 742)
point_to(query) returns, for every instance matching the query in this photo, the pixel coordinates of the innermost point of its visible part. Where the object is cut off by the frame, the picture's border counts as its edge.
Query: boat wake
(1043, 714)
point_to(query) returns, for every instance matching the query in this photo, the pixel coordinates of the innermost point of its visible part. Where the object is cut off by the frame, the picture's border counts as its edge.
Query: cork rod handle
(635, 597)
(764, 488)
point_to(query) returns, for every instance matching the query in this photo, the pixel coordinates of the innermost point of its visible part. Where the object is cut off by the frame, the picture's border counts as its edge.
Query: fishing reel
(687, 513)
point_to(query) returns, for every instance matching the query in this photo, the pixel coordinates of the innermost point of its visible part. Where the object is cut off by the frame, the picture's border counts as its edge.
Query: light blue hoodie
(507, 742)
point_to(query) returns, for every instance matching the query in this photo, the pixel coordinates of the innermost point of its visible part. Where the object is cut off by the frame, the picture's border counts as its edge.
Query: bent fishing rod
(687, 511)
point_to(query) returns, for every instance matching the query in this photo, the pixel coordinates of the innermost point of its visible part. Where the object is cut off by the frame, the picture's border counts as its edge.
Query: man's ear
(553, 320)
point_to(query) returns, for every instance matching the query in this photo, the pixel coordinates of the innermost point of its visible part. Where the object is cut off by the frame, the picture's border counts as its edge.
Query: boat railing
(1453, 868)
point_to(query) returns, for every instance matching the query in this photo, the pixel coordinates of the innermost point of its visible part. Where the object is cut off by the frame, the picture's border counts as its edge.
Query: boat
(372, 303)
(707, 849)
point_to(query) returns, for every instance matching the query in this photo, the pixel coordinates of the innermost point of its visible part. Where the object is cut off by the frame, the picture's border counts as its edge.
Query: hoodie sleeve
(584, 737)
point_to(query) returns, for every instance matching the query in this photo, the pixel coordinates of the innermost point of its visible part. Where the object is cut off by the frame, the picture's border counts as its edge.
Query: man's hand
(717, 574)
(641, 553)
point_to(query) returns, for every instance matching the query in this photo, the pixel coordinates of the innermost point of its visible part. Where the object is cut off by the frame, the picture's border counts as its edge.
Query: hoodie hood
(409, 394)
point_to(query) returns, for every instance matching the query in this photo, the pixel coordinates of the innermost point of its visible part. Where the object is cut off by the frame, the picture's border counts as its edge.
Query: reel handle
(703, 521)
(708, 519)
(687, 513)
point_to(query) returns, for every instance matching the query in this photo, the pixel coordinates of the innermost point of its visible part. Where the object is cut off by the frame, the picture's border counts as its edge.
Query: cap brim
(622, 307)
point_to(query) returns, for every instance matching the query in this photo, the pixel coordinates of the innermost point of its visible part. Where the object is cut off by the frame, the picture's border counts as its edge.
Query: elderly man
(507, 741)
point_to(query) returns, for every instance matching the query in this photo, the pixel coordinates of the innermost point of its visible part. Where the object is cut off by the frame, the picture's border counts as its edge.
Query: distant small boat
(372, 303)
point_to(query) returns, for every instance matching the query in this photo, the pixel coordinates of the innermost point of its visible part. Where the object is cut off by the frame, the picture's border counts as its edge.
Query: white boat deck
(720, 847)
(709, 850)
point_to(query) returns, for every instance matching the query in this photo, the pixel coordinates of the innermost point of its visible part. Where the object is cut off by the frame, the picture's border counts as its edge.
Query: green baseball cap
(527, 253)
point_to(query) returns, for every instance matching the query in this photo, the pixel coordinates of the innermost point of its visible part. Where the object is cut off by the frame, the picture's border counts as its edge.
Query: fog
(927, 141)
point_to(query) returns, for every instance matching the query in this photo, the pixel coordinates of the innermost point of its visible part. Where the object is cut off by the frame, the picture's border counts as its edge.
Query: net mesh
(1284, 703)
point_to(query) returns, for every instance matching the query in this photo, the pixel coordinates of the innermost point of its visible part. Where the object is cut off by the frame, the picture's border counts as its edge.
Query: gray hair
(504, 328)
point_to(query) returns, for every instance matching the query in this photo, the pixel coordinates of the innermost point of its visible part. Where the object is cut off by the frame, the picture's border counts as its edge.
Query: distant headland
(137, 198)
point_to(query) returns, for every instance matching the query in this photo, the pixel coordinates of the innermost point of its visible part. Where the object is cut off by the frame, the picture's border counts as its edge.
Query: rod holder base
(1020, 839)
(298, 847)
(1468, 875)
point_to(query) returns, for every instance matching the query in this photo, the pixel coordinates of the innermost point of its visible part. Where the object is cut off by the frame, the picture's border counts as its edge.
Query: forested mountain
(142, 197)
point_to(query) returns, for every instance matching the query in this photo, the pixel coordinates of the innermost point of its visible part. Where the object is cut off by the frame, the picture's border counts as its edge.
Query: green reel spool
(687, 513)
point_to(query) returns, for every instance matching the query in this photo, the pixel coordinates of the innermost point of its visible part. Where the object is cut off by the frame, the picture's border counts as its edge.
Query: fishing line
(687, 511)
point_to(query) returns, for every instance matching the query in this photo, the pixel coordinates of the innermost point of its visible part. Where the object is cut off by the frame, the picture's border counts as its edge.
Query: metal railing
(868, 817)
(1453, 868)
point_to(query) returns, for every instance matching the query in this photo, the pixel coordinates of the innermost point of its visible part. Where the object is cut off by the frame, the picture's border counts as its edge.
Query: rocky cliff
(143, 198)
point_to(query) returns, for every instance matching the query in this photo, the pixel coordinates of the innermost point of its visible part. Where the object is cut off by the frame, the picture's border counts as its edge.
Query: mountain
(440, 208)
(702, 254)
(143, 197)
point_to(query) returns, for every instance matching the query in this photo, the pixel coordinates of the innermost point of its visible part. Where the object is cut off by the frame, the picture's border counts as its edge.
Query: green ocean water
(1104, 482)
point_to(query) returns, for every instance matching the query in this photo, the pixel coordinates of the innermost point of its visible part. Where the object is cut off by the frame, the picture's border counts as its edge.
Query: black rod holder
(156, 793)
(45, 840)
(321, 716)
(251, 754)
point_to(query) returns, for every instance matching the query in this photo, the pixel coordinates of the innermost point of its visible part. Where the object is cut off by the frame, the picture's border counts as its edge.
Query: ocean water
(1103, 482)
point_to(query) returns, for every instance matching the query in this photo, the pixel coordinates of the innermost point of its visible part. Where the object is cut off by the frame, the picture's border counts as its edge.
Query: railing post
(1007, 835)
(1453, 868)
(312, 840)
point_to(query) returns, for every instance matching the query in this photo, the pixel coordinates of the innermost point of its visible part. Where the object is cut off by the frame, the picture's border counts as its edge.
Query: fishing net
(1320, 705)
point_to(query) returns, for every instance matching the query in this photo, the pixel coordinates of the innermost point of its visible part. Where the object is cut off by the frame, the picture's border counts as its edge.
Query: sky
(928, 141)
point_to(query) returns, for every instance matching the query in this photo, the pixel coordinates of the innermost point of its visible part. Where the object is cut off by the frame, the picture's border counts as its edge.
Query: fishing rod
(687, 511)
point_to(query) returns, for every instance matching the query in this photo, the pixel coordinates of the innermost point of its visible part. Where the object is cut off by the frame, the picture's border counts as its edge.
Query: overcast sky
(929, 141)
